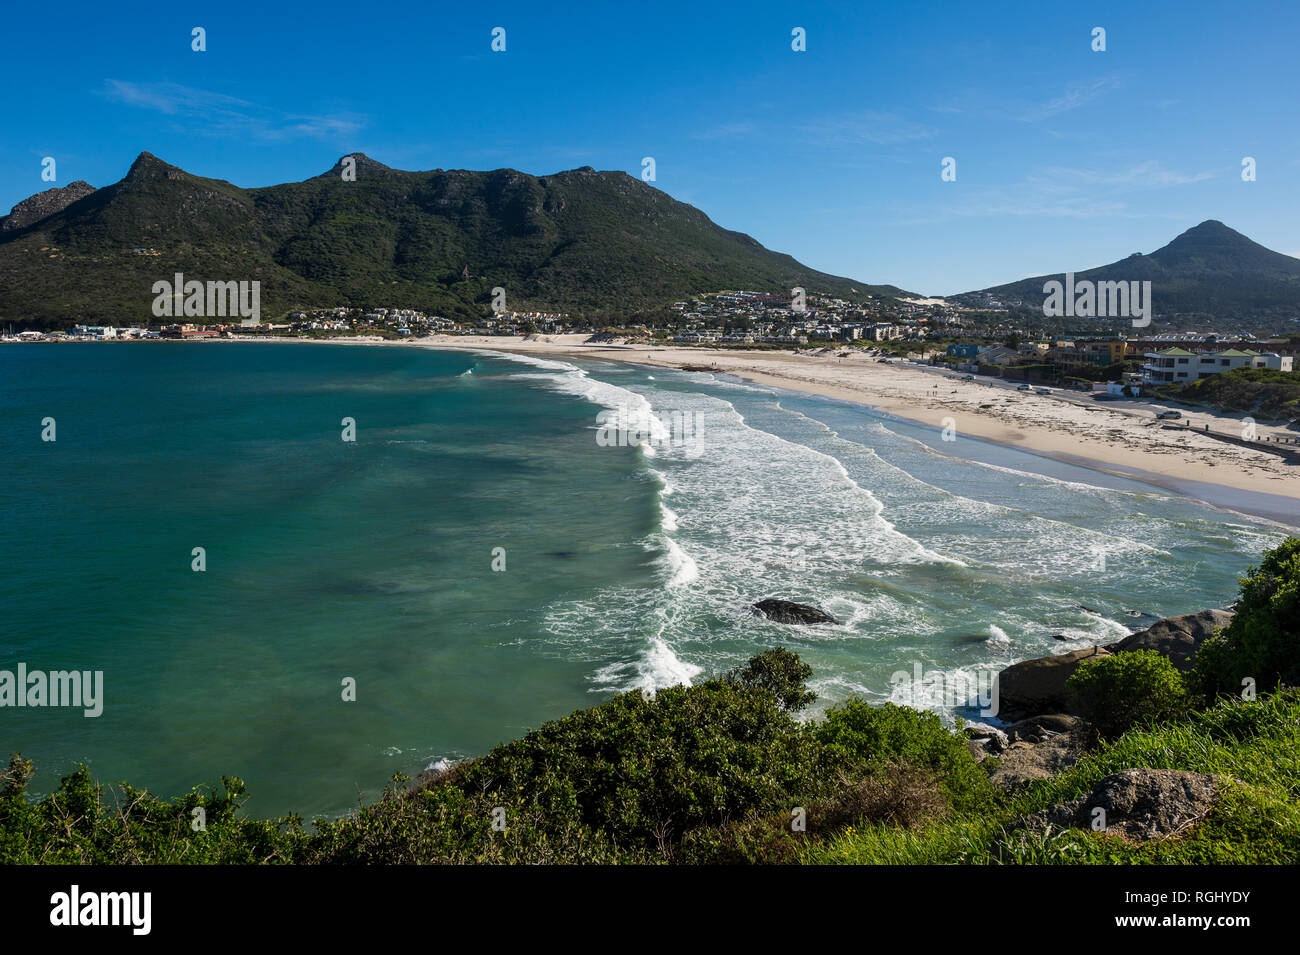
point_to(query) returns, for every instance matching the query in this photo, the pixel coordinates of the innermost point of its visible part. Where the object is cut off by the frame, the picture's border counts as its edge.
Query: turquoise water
(625, 567)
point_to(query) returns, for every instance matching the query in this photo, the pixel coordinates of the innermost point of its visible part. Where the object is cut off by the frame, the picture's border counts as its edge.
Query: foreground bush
(77, 824)
(897, 794)
(857, 732)
(712, 772)
(720, 772)
(637, 773)
(780, 673)
(1263, 641)
(1119, 692)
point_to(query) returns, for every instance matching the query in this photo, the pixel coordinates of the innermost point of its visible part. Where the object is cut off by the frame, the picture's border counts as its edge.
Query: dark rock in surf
(1032, 687)
(787, 611)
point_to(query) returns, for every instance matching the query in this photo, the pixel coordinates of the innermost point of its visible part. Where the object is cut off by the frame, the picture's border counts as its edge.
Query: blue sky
(1065, 157)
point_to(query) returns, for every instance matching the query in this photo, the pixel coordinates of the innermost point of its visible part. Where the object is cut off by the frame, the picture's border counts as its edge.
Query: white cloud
(1149, 173)
(1076, 95)
(217, 114)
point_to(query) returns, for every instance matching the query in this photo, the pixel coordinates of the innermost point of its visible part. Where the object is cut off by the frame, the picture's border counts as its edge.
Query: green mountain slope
(577, 241)
(1210, 269)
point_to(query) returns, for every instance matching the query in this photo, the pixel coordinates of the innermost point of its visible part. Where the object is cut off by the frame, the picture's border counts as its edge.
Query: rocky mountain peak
(35, 208)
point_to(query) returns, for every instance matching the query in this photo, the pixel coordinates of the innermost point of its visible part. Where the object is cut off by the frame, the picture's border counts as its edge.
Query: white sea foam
(661, 667)
(634, 414)
(1052, 545)
(656, 667)
(780, 504)
(668, 518)
(681, 567)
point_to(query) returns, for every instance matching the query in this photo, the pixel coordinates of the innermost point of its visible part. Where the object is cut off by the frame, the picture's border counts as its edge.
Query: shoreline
(1258, 485)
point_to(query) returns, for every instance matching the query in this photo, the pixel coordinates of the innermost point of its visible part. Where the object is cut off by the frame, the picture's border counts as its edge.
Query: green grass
(1253, 748)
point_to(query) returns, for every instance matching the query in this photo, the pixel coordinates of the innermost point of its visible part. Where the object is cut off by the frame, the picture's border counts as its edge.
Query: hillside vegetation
(1261, 392)
(1210, 271)
(579, 241)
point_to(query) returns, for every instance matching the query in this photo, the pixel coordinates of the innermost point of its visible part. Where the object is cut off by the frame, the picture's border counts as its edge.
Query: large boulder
(1176, 638)
(1034, 687)
(1138, 805)
(787, 611)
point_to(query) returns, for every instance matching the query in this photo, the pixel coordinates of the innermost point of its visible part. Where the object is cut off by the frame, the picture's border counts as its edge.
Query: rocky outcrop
(1048, 737)
(1137, 805)
(1037, 686)
(35, 208)
(1177, 638)
(1040, 748)
(984, 741)
(1033, 687)
(787, 611)
(1036, 729)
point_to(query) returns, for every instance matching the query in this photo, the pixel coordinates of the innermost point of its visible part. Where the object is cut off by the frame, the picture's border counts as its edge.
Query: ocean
(505, 541)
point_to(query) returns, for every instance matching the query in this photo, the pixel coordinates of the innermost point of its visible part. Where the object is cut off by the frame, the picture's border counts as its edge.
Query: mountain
(1210, 270)
(43, 204)
(576, 241)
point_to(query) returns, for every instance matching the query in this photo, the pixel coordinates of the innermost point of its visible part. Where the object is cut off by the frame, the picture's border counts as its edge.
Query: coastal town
(982, 340)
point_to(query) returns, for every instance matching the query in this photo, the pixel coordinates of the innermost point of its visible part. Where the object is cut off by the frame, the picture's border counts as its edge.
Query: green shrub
(779, 672)
(85, 822)
(873, 736)
(646, 771)
(1263, 641)
(1117, 692)
(625, 780)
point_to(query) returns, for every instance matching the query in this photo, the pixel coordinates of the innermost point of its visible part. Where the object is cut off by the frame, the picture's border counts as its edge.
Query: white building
(1179, 366)
(1271, 359)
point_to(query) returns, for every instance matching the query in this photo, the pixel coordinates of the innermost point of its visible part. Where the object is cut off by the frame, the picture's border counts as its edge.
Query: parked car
(1022, 387)
(967, 377)
(1168, 414)
(1043, 391)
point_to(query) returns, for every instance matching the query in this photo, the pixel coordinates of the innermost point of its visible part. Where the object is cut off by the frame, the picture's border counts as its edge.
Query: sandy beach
(1121, 438)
